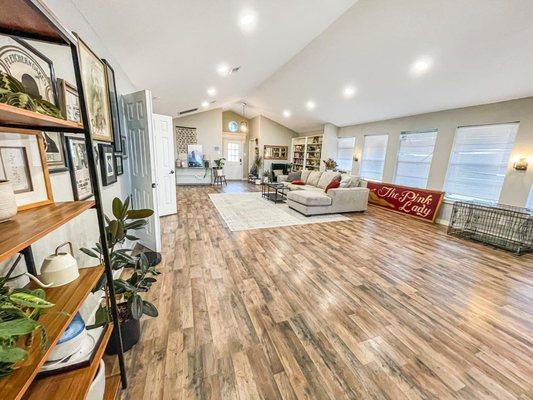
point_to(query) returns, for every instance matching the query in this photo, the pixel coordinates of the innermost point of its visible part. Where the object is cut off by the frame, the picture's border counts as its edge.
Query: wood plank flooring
(378, 307)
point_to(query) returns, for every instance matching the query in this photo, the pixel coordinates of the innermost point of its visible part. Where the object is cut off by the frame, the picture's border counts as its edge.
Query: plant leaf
(139, 214)
(17, 327)
(29, 300)
(113, 228)
(135, 304)
(12, 355)
(149, 309)
(117, 208)
(89, 252)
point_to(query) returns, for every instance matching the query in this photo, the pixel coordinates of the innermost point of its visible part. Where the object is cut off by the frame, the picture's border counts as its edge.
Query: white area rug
(244, 211)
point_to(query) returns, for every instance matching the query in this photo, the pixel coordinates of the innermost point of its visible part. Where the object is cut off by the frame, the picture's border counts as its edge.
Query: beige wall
(208, 126)
(517, 184)
(228, 116)
(272, 133)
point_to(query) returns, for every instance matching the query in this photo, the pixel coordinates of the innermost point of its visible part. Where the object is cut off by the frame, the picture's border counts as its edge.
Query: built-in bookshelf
(306, 152)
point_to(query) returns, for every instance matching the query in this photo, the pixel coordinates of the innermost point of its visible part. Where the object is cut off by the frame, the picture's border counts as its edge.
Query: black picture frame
(79, 168)
(114, 107)
(119, 162)
(108, 165)
(36, 53)
(56, 137)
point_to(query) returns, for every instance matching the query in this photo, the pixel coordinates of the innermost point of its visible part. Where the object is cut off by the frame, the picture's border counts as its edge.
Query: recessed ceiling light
(247, 20)
(211, 91)
(223, 69)
(421, 66)
(349, 91)
(286, 113)
(310, 105)
(205, 104)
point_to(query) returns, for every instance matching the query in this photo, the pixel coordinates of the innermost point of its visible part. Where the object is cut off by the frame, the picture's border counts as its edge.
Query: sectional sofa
(311, 198)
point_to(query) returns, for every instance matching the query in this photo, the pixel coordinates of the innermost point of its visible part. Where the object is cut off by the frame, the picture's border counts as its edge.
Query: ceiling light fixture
(205, 104)
(421, 66)
(243, 126)
(286, 113)
(247, 20)
(211, 91)
(223, 69)
(349, 91)
(310, 105)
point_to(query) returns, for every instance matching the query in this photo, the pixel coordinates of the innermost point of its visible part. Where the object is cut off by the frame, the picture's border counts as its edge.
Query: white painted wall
(272, 133)
(83, 230)
(517, 184)
(329, 144)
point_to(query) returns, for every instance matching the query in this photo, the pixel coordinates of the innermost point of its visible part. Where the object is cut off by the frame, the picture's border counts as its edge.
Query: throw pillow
(346, 181)
(305, 175)
(334, 184)
(278, 172)
(298, 182)
(294, 175)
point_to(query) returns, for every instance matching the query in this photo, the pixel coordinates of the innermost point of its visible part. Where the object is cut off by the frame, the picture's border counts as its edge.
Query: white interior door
(165, 164)
(139, 124)
(233, 152)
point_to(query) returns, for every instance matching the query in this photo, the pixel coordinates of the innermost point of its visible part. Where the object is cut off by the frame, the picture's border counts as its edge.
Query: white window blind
(414, 158)
(345, 148)
(479, 161)
(530, 199)
(373, 157)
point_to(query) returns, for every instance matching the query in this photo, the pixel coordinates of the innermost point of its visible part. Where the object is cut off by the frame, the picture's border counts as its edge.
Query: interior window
(373, 157)
(414, 158)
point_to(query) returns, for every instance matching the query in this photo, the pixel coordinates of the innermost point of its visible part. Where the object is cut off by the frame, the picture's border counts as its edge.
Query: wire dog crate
(506, 227)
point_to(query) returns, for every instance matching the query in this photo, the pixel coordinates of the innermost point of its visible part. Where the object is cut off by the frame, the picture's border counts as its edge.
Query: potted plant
(20, 310)
(219, 163)
(131, 306)
(330, 163)
(266, 176)
(256, 165)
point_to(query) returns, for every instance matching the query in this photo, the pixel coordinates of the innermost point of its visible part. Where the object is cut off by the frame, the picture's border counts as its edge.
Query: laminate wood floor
(378, 307)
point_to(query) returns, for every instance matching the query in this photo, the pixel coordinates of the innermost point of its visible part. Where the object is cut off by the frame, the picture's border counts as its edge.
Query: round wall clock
(233, 126)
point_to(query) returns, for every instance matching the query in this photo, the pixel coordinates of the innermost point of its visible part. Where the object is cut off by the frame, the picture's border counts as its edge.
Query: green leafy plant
(219, 162)
(330, 163)
(256, 165)
(20, 310)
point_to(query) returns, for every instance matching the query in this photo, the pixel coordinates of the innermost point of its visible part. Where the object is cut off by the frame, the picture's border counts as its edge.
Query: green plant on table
(19, 314)
(219, 162)
(330, 163)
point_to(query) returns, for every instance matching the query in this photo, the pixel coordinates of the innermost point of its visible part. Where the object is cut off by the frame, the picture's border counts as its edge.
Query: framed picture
(28, 65)
(113, 100)
(195, 155)
(79, 168)
(108, 168)
(69, 101)
(23, 162)
(56, 152)
(120, 164)
(96, 92)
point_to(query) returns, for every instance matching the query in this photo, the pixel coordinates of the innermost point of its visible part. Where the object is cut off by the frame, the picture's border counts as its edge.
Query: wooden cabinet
(306, 152)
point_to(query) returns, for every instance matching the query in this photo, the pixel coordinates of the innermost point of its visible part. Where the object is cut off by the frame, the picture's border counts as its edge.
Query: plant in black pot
(131, 306)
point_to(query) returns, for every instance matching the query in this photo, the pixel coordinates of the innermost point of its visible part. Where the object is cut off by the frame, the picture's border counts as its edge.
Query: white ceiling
(482, 51)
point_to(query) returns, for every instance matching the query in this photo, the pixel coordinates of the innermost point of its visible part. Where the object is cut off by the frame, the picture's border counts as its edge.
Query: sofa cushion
(348, 180)
(309, 198)
(305, 175)
(314, 177)
(277, 172)
(294, 175)
(334, 184)
(326, 178)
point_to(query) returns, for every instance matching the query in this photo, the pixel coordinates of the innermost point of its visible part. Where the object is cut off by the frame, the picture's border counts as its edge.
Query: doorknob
(172, 171)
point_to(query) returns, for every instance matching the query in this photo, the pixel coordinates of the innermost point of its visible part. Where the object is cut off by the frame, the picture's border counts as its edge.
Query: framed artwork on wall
(29, 66)
(113, 101)
(69, 101)
(56, 152)
(119, 162)
(108, 168)
(79, 168)
(96, 92)
(23, 163)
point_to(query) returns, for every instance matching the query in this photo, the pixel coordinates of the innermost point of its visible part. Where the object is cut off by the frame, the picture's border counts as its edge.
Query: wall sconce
(355, 158)
(520, 164)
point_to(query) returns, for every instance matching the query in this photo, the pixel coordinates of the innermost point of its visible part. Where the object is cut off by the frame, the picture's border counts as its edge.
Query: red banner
(419, 203)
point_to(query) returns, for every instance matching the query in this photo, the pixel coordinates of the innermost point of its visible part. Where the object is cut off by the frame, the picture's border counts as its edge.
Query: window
(414, 158)
(530, 199)
(373, 158)
(345, 148)
(479, 161)
(233, 152)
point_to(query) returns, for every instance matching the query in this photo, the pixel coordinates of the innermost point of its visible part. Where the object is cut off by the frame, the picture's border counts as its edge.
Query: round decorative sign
(233, 126)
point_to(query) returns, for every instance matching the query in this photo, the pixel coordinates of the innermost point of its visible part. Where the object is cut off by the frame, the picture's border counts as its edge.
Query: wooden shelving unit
(19, 118)
(31, 225)
(67, 299)
(72, 385)
(306, 152)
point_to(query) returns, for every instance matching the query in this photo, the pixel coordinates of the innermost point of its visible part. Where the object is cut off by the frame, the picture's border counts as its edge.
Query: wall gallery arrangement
(79, 168)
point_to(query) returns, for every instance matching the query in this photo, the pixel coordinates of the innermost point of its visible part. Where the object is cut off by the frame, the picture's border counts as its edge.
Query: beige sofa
(311, 198)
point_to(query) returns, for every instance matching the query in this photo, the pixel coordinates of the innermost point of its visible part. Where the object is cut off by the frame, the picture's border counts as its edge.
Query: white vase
(8, 204)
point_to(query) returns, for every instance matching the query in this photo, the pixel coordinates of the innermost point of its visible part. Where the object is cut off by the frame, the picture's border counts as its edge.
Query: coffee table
(275, 192)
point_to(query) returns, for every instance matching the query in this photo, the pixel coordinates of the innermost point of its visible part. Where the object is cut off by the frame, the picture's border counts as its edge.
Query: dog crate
(506, 227)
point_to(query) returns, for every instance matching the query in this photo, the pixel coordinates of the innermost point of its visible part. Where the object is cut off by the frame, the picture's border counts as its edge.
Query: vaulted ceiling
(473, 52)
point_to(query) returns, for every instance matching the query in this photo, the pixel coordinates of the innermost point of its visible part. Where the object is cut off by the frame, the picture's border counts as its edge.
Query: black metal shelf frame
(69, 40)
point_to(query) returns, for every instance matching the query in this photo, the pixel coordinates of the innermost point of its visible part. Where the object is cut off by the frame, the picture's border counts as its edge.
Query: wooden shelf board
(112, 386)
(72, 385)
(67, 299)
(18, 117)
(30, 225)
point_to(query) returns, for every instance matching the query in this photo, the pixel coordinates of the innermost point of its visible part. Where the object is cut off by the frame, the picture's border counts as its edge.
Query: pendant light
(243, 126)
